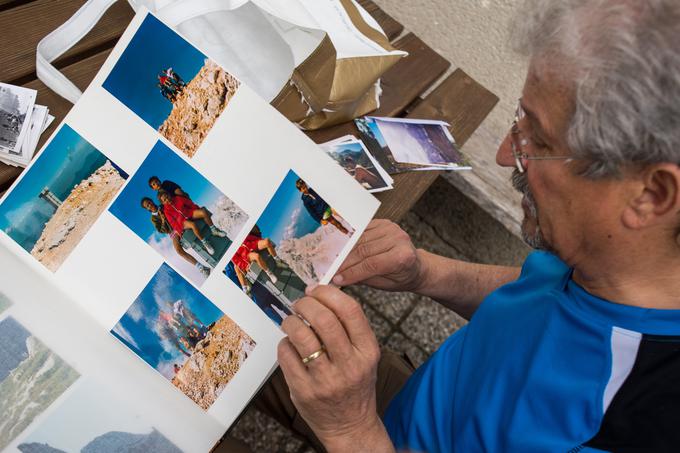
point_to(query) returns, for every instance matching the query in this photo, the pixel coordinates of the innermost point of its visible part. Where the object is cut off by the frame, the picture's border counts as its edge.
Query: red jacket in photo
(178, 210)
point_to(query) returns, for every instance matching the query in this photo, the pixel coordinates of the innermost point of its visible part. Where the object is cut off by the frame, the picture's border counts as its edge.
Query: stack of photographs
(351, 154)
(400, 145)
(22, 122)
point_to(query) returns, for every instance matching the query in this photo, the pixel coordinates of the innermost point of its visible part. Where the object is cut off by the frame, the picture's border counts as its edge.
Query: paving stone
(429, 324)
(392, 305)
(468, 229)
(399, 343)
(379, 324)
(263, 434)
(424, 236)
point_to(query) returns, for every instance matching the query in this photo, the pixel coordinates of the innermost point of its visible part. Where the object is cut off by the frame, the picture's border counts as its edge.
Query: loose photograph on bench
(179, 213)
(293, 244)
(171, 85)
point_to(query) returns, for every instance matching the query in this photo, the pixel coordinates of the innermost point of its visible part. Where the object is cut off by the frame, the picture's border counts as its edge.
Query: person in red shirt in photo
(181, 214)
(251, 251)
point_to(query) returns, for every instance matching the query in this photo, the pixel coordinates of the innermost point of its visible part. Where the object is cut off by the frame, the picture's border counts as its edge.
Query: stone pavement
(444, 221)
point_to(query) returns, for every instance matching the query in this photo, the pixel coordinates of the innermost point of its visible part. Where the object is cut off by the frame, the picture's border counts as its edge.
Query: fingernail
(310, 288)
(338, 279)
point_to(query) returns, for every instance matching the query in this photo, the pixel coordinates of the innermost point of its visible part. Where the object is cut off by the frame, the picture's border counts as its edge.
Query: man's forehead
(548, 100)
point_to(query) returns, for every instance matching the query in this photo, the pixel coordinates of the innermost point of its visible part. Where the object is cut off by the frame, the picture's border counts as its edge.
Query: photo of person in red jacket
(181, 213)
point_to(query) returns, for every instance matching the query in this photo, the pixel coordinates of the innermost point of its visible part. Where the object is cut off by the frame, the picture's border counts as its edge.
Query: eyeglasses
(520, 145)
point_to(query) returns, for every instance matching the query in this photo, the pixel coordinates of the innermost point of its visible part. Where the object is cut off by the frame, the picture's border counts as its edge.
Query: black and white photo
(16, 106)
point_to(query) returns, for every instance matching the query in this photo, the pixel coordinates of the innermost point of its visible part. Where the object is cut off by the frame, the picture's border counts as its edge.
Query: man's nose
(504, 156)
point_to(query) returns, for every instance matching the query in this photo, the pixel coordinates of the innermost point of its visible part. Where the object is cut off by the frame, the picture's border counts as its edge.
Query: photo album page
(152, 250)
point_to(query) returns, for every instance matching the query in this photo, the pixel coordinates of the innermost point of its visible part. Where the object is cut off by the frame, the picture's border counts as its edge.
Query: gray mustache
(520, 183)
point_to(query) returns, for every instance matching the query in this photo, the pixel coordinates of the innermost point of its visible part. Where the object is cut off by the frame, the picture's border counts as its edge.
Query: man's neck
(645, 278)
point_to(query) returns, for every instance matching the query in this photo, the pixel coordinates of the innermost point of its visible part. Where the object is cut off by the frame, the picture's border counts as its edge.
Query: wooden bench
(457, 99)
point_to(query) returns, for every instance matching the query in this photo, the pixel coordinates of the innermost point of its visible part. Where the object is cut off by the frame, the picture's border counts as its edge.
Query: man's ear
(655, 198)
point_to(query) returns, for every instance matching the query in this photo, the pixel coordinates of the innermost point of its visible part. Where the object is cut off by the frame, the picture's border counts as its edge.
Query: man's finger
(301, 336)
(364, 250)
(372, 266)
(327, 326)
(295, 372)
(350, 314)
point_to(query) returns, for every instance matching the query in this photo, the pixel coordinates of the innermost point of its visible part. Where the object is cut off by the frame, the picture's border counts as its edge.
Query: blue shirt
(536, 369)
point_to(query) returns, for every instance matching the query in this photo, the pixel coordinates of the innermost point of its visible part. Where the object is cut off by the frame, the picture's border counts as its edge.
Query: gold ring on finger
(314, 355)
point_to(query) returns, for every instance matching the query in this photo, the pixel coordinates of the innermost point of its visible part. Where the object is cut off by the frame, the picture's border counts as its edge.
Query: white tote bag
(318, 61)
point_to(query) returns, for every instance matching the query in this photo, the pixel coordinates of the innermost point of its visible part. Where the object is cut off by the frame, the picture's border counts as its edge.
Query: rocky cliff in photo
(214, 362)
(75, 216)
(198, 106)
(311, 255)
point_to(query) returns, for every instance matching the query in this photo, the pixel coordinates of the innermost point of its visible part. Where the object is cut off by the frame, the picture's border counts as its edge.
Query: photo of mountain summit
(171, 85)
(31, 378)
(92, 421)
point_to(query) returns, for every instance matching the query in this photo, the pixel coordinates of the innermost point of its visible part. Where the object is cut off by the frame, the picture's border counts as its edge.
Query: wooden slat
(26, 25)
(7, 175)
(391, 27)
(403, 83)
(460, 101)
(7, 4)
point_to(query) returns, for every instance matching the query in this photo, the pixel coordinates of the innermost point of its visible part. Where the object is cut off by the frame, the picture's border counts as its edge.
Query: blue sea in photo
(67, 160)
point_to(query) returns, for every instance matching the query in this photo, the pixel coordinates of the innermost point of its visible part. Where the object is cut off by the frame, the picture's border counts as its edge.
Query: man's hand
(335, 392)
(383, 258)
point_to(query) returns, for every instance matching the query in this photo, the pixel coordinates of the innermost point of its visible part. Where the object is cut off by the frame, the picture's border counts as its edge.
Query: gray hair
(622, 59)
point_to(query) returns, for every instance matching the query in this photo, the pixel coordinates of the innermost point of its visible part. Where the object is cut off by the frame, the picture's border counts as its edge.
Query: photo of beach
(54, 205)
(293, 244)
(31, 378)
(171, 85)
(179, 213)
(184, 336)
(93, 421)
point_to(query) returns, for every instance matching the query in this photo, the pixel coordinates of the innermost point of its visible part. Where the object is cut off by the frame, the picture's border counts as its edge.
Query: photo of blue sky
(285, 216)
(166, 165)
(133, 80)
(105, 423)
(143, 328)
(67, 160)
(373, 126)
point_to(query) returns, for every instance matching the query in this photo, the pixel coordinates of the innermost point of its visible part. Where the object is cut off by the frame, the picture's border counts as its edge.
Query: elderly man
(579, 350)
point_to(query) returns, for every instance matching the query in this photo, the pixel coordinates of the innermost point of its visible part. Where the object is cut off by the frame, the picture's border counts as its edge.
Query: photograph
(179, 213)
(419, 142)
(376, 145)
(171, 85)
(264, 277)
(177, 331)
(61, 196)
(355, 160)
(16, 107)
(4, 302)
(294, 243)
(90, 420)
(31, 378)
